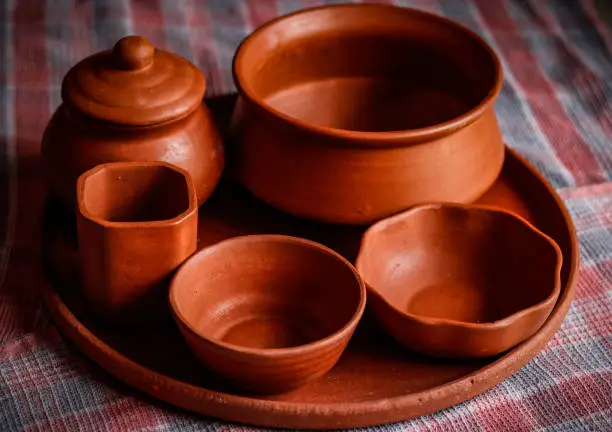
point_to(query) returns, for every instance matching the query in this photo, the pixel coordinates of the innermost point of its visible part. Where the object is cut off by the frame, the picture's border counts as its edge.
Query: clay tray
(376, 381)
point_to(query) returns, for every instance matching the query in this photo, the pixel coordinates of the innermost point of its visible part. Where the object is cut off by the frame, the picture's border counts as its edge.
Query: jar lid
(134, 84)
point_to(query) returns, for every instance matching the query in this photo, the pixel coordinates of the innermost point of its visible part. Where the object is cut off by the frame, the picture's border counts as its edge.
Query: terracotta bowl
(352, 113)
(459, 281)
(267, 312)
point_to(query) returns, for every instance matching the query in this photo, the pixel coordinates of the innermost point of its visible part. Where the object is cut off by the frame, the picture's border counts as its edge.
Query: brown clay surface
(132, 103)
(269, 313)
(137, 222)
(351, 113)
(459, 281)
(376, 381)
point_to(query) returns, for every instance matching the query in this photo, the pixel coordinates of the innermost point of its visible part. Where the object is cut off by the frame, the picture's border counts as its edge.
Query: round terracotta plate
(376, 381)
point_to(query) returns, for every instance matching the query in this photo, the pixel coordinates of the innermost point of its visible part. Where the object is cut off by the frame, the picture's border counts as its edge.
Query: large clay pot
(132, 103)
(351, 113)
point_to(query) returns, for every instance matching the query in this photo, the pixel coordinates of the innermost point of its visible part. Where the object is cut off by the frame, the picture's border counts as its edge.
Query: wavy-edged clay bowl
(267, 312)
(458, 281)
(352, 113)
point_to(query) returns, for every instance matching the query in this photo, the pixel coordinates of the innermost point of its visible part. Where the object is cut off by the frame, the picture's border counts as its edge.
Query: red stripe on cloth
(585, 394)
(550, 115)
(29, 37)
(20, 305)
(40, 344)
(261, 11)
(514, 416)
(592, 282)
(82, 18)
(32, 112)
(31, 78)
(589, 304)
(581, 74)
(583, 80)
(581, 395)
(29, 342)
(570, 194)
(598, 199)
(205, 49)
(578, 335)
(130, 414)
(122, 414)
(590, 221)
(148, 21)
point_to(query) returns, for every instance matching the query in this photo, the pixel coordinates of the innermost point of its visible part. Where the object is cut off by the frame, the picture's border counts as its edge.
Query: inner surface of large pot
(342, 71)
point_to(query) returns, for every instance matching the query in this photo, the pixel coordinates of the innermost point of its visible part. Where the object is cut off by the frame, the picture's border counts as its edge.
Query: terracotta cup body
(267, 312)
(137, 221)
(459, 281)
(117, 109)
(351, 113)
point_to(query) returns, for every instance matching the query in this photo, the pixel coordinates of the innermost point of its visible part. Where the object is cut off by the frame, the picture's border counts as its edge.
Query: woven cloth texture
(555, 109)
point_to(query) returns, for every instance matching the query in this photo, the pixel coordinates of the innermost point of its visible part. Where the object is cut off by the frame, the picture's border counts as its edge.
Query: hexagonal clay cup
(269, 313)
(459, 281)
(137, 221)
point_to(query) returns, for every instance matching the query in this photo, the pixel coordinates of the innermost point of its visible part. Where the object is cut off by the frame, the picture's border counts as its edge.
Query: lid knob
(133, 53)
(134, 84)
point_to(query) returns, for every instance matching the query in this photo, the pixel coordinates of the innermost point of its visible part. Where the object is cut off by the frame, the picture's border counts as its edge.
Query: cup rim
(84, 212)
(371, 138)
(504, 322)
(284, 352)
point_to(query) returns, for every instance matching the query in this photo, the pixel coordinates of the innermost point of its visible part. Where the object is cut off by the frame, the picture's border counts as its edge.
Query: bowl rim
(372, 138)
(504, 322)
(330, 339)
(83, 211)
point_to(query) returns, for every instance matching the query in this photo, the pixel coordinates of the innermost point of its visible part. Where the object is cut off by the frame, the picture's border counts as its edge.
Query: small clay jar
(351, 113)
(137, 222)
(131, 103)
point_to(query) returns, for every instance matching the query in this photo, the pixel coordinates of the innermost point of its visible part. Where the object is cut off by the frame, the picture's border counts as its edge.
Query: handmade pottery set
(363, 164)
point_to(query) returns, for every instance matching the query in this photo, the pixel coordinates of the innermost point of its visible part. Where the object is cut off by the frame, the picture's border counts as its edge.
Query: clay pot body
(73, 144)
(137, 221)
(112, 113)
(352, 113)
(267, 312)
(459, 281)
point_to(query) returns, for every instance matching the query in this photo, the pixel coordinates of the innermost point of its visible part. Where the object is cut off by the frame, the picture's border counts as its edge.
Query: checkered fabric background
(555, 108)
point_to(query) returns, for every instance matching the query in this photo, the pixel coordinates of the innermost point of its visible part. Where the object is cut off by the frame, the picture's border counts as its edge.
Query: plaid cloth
(555, 108)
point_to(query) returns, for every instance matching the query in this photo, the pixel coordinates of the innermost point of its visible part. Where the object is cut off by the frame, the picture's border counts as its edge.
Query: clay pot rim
(372, 138)
(192, 197)
(278, 353)
(496, 212)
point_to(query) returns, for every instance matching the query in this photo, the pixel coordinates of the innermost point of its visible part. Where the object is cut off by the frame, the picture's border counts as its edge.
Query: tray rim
(310, 415)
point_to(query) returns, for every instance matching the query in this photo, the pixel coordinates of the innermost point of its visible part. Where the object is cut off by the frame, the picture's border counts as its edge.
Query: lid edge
(75, 95)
